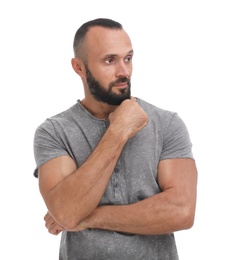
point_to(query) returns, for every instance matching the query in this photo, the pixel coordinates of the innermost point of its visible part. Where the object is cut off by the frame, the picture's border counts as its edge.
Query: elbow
(63, 216)
(67, 221)
(188, 216)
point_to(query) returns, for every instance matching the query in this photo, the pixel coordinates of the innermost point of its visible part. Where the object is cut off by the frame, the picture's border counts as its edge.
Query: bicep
(53, 172)
(179, 175)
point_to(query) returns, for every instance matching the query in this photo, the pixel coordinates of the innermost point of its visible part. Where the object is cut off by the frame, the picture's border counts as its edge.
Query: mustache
(120, 80)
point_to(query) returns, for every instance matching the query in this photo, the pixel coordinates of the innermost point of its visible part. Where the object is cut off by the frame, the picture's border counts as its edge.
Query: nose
(123, 69)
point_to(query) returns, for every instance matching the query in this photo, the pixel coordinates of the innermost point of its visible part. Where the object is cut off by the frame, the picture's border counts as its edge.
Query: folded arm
(70, 193)
(171, 210)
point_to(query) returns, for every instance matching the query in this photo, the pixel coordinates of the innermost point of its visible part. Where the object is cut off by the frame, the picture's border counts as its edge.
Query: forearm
(153, 216)
(75, 197)
(73, 194)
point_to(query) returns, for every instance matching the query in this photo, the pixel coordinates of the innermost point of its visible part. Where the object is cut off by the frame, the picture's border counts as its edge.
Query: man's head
(103, 59)
(79, 38)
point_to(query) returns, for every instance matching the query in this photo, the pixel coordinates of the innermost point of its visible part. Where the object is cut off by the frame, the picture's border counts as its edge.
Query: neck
(98, 109)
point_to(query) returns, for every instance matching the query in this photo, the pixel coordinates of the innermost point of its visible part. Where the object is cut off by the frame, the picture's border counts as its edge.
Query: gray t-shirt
(75, 132)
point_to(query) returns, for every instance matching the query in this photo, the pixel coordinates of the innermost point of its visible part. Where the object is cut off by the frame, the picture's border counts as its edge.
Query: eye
(128, 58)
(110, 60)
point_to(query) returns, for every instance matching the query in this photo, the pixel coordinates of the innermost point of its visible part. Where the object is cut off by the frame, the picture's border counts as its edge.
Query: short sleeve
(176, 140)
(47, 145)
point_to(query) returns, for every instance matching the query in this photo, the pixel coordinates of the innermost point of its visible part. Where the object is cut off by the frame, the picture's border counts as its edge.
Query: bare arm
(72, 194)
(171, 210)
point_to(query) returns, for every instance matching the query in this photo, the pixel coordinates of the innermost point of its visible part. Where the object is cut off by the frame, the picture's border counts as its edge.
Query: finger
(47, 216)
(54, 229)
(49, 222)
(133, 99)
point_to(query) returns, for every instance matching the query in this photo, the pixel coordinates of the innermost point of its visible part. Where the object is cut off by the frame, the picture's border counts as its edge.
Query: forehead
(103, 41)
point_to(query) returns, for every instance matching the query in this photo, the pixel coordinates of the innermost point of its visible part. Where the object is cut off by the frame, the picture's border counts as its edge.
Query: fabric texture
(75, 132)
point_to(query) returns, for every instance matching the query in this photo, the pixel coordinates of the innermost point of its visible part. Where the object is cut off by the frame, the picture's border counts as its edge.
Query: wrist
(118, 134)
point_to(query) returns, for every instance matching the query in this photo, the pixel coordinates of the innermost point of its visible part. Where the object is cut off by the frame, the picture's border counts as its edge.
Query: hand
(129, 118)
(51, 225)
(55, 228)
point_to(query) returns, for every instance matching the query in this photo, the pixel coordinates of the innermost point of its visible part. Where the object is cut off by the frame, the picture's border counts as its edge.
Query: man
(117, 174)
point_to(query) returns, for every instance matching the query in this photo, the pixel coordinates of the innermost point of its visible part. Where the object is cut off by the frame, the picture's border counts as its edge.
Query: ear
(78, 66)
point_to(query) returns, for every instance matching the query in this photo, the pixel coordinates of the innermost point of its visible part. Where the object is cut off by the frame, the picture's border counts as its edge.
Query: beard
(107, 95)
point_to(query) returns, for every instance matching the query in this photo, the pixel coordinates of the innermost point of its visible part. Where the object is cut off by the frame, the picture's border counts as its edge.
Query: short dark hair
(82, 31)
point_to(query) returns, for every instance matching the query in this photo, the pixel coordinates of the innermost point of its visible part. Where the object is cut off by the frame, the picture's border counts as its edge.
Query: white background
(183, 62)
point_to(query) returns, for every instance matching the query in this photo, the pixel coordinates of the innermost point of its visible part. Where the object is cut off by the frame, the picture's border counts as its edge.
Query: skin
(72, 193)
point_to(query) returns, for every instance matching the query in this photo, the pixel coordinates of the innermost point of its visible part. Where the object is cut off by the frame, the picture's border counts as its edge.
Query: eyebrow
(114, 55)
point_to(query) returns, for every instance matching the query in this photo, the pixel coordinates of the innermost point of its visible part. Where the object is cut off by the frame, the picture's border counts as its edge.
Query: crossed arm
(171, 210)
(72, 194)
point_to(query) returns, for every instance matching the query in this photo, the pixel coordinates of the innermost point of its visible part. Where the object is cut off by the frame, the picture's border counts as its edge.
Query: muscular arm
(171, 210)
(72, 194)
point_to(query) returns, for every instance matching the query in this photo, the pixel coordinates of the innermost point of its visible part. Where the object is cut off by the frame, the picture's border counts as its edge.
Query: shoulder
(61, 119)
(172, 131)
(157, 114)
(167, 122)
(154, 109)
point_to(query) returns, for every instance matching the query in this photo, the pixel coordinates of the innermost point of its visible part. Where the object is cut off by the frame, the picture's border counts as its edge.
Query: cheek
(105, 76)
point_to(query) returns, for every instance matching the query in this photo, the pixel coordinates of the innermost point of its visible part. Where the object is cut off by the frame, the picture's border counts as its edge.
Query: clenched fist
(129, 118)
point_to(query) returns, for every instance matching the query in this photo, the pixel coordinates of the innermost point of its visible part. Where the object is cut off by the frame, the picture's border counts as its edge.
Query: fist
(129, 118)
